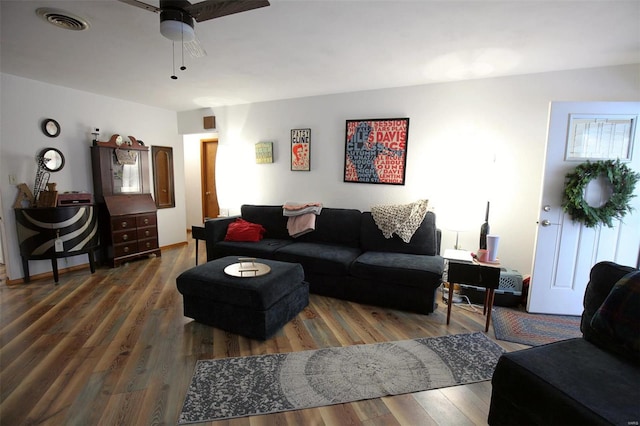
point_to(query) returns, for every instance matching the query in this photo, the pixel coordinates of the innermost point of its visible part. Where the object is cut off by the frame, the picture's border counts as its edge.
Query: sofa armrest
(216, 230)
(602, 278)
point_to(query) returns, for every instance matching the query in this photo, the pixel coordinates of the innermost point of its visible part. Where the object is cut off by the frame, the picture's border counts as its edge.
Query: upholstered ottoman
(255, 307)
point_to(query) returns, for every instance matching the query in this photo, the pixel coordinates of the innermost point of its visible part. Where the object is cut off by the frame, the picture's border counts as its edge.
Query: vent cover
(62, 19)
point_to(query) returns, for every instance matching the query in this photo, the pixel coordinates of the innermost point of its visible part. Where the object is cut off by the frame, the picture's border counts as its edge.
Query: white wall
(456, 132)
(25, 103)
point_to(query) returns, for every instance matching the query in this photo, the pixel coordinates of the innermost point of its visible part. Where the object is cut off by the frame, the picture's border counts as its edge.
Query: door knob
(545, 223)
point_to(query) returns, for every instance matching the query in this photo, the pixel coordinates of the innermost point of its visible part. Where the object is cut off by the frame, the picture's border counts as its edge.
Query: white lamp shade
(177, 31)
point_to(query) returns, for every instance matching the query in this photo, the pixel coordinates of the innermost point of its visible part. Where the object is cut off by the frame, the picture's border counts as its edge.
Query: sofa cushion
(570, 382)
(270, 217)
(423, 241)
(409, 269)
(263, 248)
(617, 321)
(318, 258)
(336, 226)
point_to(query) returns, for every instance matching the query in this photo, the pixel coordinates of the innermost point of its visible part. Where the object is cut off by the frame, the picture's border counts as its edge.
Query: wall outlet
(13, 180)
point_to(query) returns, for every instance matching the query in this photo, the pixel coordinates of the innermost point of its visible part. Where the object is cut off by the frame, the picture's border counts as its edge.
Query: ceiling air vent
(62, 19)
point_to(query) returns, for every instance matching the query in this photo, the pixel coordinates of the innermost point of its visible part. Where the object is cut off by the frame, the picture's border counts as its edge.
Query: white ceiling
(297, 48)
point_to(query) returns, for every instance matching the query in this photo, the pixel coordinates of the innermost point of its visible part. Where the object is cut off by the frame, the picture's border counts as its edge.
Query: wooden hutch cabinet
(128, 219)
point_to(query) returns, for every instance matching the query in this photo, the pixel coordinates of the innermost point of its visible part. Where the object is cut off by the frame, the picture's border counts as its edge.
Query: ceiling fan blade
(142, 5)
(194, 48)
(211, 9)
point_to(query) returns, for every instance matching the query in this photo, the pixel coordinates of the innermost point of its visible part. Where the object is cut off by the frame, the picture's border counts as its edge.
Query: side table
(198, 233)
(477, 274)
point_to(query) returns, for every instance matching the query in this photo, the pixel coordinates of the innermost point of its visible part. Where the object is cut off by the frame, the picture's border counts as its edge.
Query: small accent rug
(533, 329)
(262, 384)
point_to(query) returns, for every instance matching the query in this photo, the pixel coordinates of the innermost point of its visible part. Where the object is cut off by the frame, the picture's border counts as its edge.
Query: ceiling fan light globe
(177, 31)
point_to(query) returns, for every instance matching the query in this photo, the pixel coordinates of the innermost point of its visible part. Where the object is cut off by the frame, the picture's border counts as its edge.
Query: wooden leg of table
(486, 300)
(92, 262)
(54, 265)
(449, 302)
(490, 293)
(25, 268)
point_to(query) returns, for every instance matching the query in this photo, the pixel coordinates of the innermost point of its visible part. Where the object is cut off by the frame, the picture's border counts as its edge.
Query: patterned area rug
(533, 329)
(245, 386)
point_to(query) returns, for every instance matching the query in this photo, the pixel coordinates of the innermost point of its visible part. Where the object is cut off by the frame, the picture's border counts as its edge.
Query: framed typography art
(376, 150)
(301, 150)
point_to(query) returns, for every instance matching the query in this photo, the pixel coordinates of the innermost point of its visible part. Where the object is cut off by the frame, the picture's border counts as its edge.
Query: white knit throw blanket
(401, 219)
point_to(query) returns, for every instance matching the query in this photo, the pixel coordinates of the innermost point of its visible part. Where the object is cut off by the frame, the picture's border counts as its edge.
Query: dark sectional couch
(346, 256)
(592, 380)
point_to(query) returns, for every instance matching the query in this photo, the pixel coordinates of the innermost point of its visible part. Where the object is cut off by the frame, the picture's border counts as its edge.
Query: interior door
(210, 206)
(565, 251)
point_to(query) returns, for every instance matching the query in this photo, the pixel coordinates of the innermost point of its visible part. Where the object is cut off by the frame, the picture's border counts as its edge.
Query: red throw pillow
(241, 230)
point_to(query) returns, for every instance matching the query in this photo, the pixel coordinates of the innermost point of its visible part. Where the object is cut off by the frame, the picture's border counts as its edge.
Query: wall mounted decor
(301, 149)
(376, 150)
(163, 187)
(264, 152)
(209, 122)
(50, 127)
(600, 137)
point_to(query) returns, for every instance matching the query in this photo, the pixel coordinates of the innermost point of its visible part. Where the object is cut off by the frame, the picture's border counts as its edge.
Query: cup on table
(492, 247)
(483, 255)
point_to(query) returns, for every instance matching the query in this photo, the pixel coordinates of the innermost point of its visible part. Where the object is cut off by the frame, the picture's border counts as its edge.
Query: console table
(74, 227)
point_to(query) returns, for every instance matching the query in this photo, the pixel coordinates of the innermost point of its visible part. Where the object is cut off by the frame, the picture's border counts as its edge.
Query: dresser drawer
(123, 222)
(145, 220)
(148, 244)
(125, 249)
(127, 236)
(150, 232)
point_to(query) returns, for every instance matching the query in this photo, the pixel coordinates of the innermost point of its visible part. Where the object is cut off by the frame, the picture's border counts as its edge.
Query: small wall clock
(50, 127)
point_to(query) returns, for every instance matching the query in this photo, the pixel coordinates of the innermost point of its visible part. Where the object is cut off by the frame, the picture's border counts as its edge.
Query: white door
(566, 251)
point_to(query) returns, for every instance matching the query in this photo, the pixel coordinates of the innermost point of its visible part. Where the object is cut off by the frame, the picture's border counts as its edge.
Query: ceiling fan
(177, 18)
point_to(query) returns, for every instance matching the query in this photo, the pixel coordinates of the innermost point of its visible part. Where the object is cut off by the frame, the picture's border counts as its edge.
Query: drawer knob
(148, 245)
(126, 250)
(124, 224)
(146, 233)
(146, 221)
(125, 237)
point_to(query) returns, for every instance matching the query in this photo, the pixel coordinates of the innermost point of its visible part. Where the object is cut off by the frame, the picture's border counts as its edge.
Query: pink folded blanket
(300, 225)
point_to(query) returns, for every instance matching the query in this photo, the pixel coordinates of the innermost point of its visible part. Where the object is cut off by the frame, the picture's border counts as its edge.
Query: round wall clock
(50, 127)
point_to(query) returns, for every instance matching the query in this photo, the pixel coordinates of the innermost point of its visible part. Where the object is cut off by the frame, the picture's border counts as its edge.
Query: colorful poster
(301, 149)
(376, 150)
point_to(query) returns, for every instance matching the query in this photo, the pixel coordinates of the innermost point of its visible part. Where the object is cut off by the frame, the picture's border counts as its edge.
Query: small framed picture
(264, 152)
(301, 150)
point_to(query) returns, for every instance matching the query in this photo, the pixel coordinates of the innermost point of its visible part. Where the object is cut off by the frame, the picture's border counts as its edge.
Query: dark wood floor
(114, 348)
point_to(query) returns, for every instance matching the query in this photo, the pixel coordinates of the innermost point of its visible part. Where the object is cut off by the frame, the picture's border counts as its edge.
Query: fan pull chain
(173, 52)
(182, 68)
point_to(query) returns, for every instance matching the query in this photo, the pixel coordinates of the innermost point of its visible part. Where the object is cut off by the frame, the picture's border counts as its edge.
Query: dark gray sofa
(346, 256)
(593, 380)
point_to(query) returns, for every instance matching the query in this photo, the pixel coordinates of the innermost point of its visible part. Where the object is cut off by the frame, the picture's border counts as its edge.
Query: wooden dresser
(128, 220)
(133, 227)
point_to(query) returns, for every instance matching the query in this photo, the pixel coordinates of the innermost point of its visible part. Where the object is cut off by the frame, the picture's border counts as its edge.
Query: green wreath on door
(623, 181)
